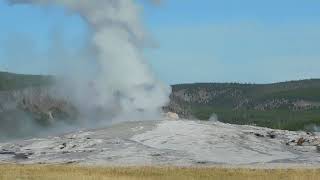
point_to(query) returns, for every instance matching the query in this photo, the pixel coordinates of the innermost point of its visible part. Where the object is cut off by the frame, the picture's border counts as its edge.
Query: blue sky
(197, 40)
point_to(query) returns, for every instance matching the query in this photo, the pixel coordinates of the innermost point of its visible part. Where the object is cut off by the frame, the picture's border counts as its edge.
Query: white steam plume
(124, 80)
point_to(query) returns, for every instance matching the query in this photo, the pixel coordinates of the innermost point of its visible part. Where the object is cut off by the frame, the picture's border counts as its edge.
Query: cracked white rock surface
(167, 142)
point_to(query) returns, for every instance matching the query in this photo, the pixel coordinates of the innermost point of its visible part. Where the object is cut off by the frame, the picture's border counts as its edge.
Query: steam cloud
(123, 82)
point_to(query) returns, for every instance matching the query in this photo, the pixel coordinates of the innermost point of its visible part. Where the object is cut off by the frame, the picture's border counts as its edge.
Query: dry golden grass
(41, 172)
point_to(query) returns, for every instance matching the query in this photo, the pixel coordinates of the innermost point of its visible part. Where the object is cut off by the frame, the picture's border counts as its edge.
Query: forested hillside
(288, 105)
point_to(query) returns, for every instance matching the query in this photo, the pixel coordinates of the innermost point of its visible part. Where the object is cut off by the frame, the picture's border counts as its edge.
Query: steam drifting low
(123, 82)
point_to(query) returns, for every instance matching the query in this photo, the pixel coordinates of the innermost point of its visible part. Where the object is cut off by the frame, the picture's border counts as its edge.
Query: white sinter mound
(168, 142)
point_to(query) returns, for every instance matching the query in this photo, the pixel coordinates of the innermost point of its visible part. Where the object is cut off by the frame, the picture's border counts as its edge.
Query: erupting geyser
(124, 80)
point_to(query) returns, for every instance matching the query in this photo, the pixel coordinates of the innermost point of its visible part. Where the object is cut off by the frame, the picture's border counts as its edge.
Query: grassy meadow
(41, 172)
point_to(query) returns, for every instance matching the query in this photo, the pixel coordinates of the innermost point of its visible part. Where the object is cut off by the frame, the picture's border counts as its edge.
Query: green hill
(10, 81)
(293, 105)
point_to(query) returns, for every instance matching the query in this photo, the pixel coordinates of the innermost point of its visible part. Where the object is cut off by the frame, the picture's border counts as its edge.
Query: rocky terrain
(32, 98)
(169, 142)
(40, 102)
(22, 110)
